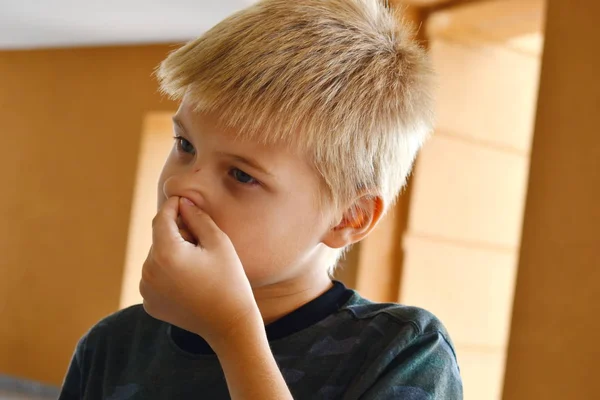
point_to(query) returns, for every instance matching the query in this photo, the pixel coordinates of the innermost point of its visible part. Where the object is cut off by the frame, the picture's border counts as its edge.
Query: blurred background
(496, 234)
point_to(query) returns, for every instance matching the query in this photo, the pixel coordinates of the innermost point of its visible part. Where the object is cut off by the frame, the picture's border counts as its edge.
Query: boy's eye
(184, 145)
(242, 177)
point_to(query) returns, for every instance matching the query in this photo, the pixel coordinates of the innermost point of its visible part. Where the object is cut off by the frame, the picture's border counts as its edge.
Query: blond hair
(340, 79)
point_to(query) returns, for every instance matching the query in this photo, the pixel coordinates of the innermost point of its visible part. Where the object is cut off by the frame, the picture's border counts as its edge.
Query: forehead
(209, 129)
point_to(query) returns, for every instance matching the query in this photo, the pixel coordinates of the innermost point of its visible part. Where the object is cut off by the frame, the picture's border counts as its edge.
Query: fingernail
(187, 202)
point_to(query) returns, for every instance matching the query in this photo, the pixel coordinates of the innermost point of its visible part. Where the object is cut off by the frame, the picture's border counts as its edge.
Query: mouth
(185, 232)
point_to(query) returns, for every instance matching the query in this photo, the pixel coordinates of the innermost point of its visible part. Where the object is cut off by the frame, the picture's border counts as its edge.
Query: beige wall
(156, 142)
(466, 210)
(554, 348)
(71, 124)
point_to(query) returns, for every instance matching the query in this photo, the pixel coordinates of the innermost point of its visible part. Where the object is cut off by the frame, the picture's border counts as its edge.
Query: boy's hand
(201, 288)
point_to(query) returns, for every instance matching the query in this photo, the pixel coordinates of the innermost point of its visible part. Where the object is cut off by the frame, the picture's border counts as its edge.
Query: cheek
(267, 239)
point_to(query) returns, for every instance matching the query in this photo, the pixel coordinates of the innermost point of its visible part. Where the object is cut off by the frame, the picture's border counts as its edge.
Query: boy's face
(265, 198)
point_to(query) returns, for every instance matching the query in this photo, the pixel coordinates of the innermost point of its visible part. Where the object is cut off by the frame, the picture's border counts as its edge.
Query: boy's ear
(356, 223)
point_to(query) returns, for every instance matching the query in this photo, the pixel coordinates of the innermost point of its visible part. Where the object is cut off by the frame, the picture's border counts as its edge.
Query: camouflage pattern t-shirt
(338, 346)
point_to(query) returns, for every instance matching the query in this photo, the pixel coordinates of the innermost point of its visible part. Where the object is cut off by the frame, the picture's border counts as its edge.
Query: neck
(279, 299)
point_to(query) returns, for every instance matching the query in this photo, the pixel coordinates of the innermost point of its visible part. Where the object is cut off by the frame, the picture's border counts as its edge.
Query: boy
(299, 122)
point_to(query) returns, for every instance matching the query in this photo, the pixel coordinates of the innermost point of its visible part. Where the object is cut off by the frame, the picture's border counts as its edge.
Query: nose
(190, 184)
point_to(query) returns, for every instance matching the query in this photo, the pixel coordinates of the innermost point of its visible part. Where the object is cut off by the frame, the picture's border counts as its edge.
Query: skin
(246, 238)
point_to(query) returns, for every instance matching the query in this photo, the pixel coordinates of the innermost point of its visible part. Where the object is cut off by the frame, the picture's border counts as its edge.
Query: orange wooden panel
(468, 193)
(496, 20)
(469, 288)
(486, 93)
(482, 372)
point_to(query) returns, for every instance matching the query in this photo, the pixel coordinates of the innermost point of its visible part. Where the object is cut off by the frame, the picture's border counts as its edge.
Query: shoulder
(127, 319)
(406, 323)
(110, 347)
(409, 352)
(420, 319)
(119, 329)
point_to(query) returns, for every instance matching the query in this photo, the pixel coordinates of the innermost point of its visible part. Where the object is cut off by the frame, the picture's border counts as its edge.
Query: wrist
(247, 329)
(249, 366)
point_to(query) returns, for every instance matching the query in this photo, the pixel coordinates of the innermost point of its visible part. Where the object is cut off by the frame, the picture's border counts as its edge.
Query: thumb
(164, 228)
(200, 224)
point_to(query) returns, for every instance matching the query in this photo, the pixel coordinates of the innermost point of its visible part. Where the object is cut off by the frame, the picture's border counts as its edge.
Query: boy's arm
(249, 366)
(425, 370)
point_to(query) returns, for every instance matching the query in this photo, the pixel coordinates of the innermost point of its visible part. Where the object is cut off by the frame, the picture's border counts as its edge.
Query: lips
(185, 232)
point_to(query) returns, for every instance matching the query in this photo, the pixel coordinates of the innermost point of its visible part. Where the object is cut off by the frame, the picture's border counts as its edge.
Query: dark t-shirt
(338, 346)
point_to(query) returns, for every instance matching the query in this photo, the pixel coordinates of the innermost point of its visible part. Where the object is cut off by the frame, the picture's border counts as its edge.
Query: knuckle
(143, 287)
(162, 256)
(214, 230)
(222, 239)
(218, 234)
(147, 275)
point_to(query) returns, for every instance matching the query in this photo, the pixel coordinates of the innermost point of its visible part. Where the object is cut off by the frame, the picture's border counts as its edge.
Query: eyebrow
(249, 162)
(244, 160)
(178, 122)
